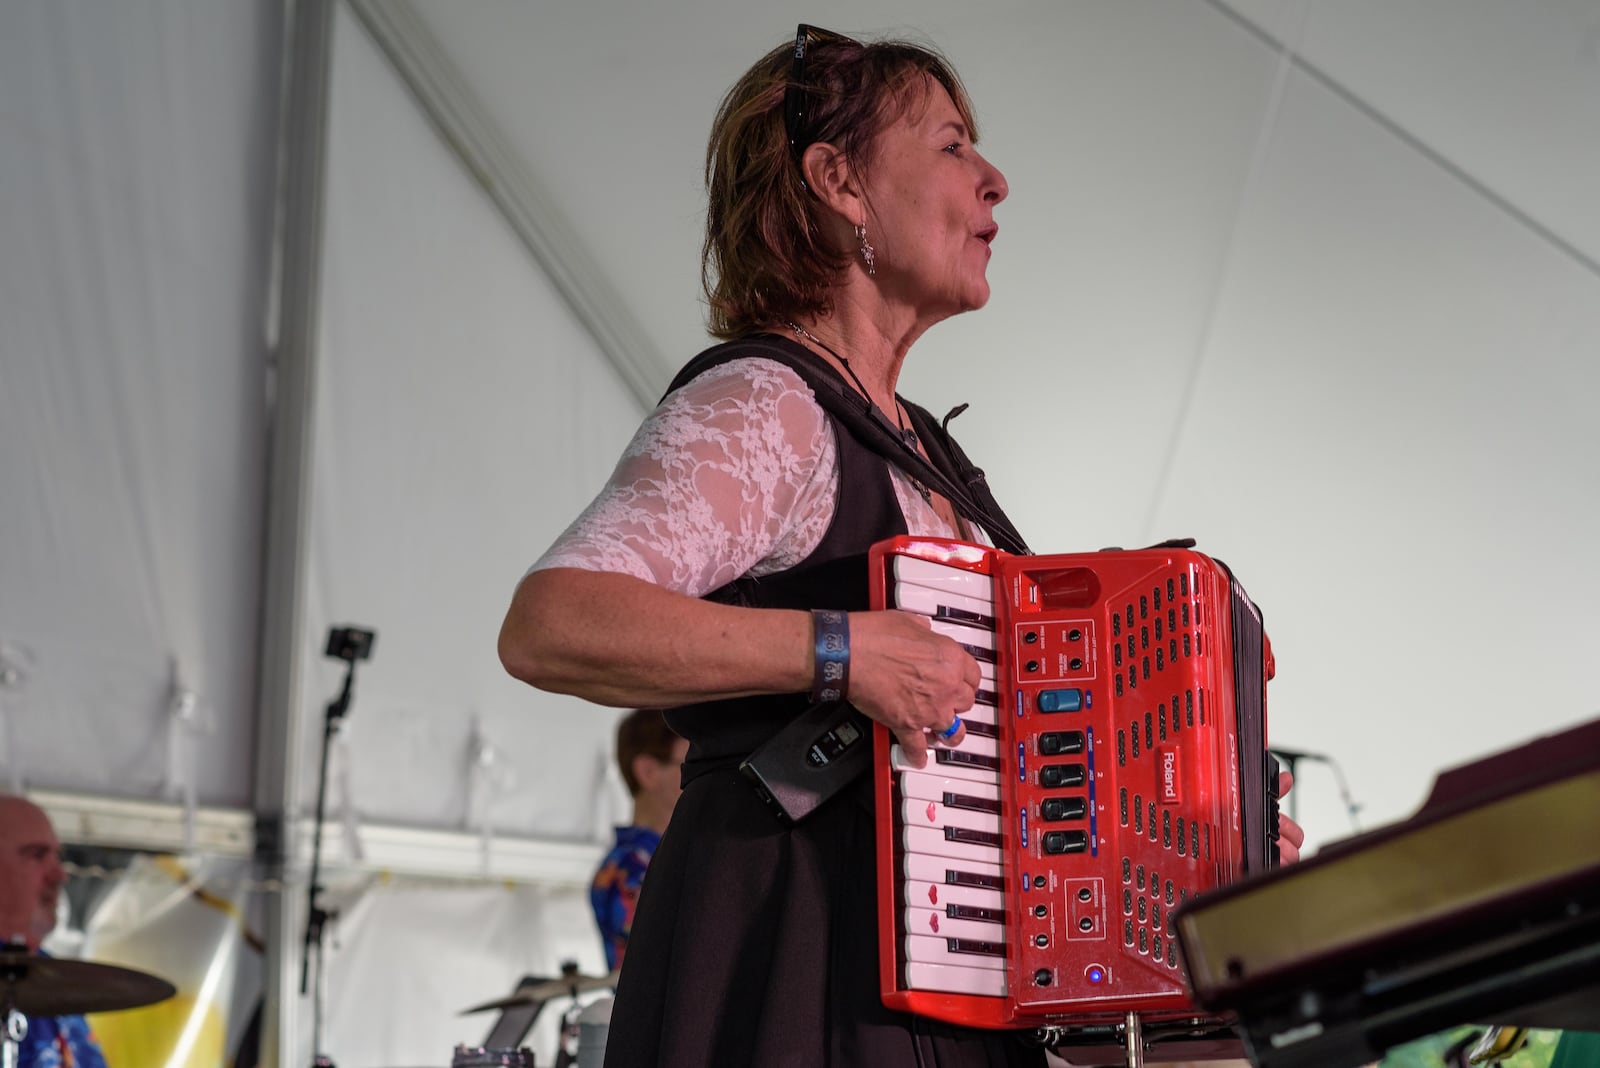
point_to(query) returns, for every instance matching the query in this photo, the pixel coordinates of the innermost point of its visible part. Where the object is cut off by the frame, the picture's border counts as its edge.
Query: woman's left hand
(1290, 835)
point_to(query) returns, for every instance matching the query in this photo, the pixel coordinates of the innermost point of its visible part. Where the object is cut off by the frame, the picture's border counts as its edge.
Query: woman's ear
(833, 180)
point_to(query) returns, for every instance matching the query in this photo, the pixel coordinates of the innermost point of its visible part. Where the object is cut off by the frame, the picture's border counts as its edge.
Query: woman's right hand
(909, 678)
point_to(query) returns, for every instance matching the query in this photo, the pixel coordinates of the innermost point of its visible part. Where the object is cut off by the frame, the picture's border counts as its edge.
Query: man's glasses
(796, 115)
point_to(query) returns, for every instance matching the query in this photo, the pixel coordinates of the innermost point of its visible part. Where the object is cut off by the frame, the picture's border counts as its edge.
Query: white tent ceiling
(1314, 283)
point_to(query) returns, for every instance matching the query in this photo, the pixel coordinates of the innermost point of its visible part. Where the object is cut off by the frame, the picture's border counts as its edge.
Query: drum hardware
(522, 1008)
(490, 1057)
(570, 984)
(46, 986)
(484, 1057)
(594, 1026)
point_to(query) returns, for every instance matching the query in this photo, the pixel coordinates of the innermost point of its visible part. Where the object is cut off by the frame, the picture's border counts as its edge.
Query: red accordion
(1115, 765)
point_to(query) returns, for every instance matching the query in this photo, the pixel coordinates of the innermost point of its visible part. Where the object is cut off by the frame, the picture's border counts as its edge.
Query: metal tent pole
(302, 155)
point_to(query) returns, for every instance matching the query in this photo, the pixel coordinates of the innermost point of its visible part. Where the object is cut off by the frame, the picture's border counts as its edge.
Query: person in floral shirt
(650, 757)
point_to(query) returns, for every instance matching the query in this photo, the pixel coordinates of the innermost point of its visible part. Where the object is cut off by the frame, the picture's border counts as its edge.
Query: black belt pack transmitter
(816, 755)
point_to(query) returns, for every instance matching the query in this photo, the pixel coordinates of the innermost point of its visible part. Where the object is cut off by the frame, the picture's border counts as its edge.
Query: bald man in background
(30, 888)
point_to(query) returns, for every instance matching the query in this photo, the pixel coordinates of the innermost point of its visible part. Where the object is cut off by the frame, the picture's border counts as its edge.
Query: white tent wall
(412, 957)
(1503, 92)
(462, 420)
(1412, 492)
(135, 191)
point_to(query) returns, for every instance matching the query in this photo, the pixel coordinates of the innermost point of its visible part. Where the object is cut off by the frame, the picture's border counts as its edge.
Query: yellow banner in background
(162, 918)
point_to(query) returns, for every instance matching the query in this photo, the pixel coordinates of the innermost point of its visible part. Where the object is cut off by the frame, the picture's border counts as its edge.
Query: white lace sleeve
(735, 473)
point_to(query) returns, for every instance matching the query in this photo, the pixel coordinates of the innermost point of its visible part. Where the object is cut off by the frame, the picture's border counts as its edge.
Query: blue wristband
(830, 674)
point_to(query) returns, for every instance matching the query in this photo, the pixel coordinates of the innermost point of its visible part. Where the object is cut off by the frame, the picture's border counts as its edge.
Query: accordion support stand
(1131, 1030)
(1134, 1034)
(1134, 1038)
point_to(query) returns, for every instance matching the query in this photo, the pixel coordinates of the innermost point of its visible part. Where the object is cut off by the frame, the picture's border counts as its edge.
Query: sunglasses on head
(796, 117)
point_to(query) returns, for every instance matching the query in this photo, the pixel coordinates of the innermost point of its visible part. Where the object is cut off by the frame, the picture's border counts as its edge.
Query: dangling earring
(868, 254)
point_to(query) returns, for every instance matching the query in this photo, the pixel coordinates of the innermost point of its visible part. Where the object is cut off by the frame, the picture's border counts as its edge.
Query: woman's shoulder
(748, 374)
(756, 358)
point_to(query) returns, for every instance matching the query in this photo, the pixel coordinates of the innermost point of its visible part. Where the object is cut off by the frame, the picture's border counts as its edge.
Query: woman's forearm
(616, 640)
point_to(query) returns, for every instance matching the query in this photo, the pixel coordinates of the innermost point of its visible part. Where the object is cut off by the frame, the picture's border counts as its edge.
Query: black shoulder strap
(948, 455)
(950, 473)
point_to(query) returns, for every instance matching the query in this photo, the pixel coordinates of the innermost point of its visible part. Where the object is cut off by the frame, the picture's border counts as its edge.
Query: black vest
(834, 575)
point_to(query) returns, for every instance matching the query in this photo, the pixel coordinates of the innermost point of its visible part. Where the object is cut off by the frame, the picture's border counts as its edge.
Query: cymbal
(566, 986)
(48, 986)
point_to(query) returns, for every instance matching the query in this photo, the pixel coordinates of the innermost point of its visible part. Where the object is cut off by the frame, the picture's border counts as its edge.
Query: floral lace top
(734, 474)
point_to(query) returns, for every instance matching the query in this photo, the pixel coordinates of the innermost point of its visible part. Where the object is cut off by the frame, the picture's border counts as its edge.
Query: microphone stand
(1350, 804)
(316, 916)
(1289, 758)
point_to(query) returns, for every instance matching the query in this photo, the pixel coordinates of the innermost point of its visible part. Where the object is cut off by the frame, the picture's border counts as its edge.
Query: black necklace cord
(907, 434)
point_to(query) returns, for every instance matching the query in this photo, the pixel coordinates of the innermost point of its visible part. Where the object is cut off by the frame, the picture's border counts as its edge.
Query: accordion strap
(945, 469)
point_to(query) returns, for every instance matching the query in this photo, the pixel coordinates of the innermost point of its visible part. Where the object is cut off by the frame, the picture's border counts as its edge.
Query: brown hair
(766, 257)
(643, 731)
